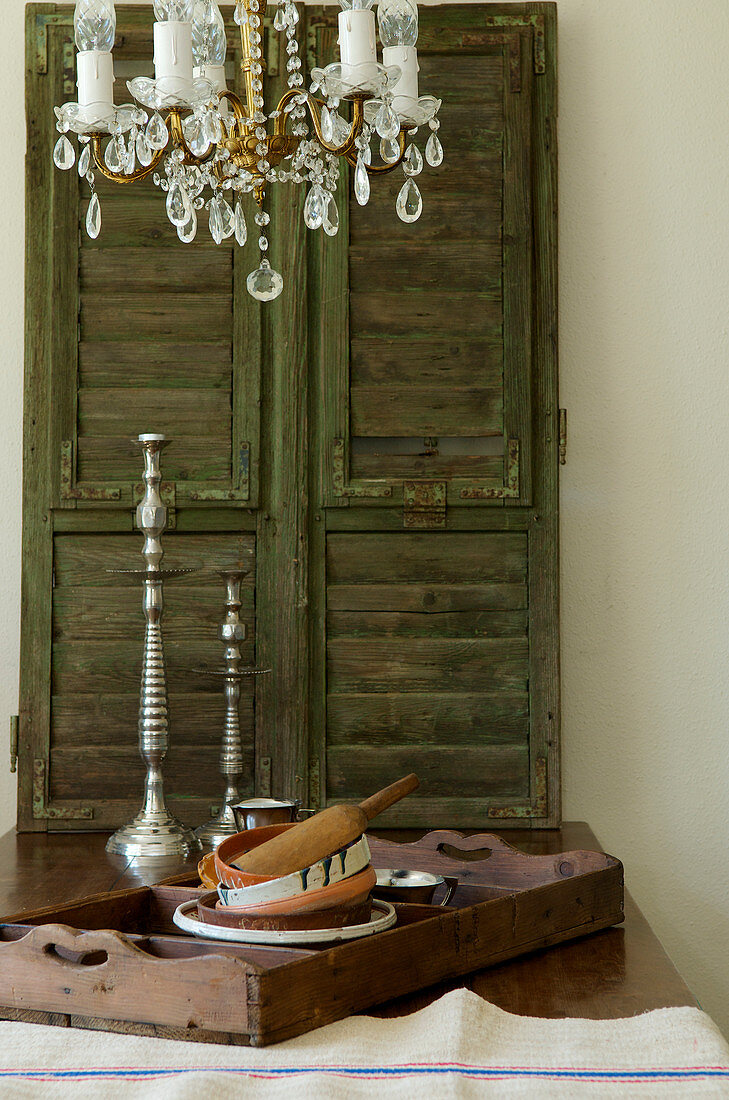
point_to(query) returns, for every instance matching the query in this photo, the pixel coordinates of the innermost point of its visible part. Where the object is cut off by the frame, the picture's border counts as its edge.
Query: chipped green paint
(538, 805)
(510, 488)
(43, 810)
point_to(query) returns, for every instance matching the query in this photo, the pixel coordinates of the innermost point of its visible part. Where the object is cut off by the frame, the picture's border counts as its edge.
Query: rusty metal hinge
(264, 776)
(14, 724)
(424, 504)
(536, 806)
(43, 809)
(562, 437)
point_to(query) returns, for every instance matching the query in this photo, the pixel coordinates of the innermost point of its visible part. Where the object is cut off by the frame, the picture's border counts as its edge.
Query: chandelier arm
(178, 140)
(236, 103)
(356, 129)
(137, 174)
(382, 169)
(338, 150)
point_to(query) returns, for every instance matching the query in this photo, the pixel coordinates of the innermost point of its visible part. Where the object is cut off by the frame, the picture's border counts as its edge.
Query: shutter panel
(131, 332)
(438, 594)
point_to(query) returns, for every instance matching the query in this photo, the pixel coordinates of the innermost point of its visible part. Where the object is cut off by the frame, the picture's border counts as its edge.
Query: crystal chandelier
(206, 147)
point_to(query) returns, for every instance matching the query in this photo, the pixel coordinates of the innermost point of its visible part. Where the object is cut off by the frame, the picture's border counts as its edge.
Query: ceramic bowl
(333, 906)
(350, 861)
(235, 847)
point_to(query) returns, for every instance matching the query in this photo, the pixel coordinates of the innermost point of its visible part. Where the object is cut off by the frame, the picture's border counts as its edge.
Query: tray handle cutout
(71, 947)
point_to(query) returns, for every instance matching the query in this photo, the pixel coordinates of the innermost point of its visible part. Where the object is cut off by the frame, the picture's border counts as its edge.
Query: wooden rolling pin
(322, 835)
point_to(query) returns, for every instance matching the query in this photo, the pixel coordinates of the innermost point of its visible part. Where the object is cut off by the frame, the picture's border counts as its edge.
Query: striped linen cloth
(459, 1046)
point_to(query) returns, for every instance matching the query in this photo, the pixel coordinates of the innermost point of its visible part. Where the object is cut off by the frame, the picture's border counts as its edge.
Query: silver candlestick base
(232, 633)
(154, 832)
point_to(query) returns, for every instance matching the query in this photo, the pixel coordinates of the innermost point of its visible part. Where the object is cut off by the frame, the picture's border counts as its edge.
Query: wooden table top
(618, 972)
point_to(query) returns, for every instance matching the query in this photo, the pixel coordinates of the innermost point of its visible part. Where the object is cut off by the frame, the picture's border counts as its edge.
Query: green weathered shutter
(439, 441)
(131, 332)
(381, 442)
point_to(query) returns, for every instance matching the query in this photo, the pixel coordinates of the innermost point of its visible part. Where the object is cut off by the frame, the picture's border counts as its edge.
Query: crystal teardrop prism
(93, 217)
(389, 150)
(211, 128)
(361, 182)
(227, 218)
(264, 283)
(387, 123)
(111, 157)
(279, 20)
(178, 204)
(327, 124)
(145, 153)
(412, 162)
(157, 132)
(84, 161)
(331, 218)
(216, 221)
(187, 232)
(434, 151)
(64, 155)
(130, 160)
(314, 207)
(194, 132)
(409, 204)
(241, 229)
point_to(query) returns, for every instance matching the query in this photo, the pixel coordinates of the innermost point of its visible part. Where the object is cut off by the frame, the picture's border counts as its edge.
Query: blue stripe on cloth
(379, 1072)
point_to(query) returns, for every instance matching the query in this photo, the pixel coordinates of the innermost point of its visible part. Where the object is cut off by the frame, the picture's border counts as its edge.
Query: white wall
(644, 119)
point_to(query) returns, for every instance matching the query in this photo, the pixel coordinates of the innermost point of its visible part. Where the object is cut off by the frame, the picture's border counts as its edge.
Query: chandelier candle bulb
(358, 45)
(405, 92)
(173, 54)
(95, 71)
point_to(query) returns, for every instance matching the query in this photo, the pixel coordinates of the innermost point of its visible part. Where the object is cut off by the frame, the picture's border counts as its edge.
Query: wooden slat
(109, 412)
(475, 81)
(449, 624)
(448, 360)
(378, 466)
(448, 558)
(447, 215)
(426, 410)
(169, 271)
(430, 598)
(427, 664)
(102, 718)
(116, 771)
(479, 315)
(111, 459)
(85, 614)
(428, 718)
(114, 665)
(416, 264)
(167, 365)
(83, 559)
(493, 771)
(137, 316)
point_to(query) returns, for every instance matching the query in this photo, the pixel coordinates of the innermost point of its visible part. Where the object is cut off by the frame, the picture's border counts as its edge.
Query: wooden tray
(116, 962)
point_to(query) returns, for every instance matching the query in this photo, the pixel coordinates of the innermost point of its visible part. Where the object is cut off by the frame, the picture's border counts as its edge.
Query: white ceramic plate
(350, 861)
(187, 920)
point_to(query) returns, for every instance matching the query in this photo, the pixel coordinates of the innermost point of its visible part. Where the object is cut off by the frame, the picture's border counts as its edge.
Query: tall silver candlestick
(154, 831)
(232, 633)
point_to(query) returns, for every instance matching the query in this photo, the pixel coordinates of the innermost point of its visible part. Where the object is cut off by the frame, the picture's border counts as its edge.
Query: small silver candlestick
(232, 633)
(154, 832)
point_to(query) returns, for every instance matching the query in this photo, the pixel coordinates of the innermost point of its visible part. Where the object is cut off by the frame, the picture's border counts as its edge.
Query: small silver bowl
(412, 886)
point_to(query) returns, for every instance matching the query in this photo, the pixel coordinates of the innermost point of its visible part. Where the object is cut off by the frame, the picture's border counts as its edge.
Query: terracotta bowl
(334, 906)
(350, 861)
(236, 846)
